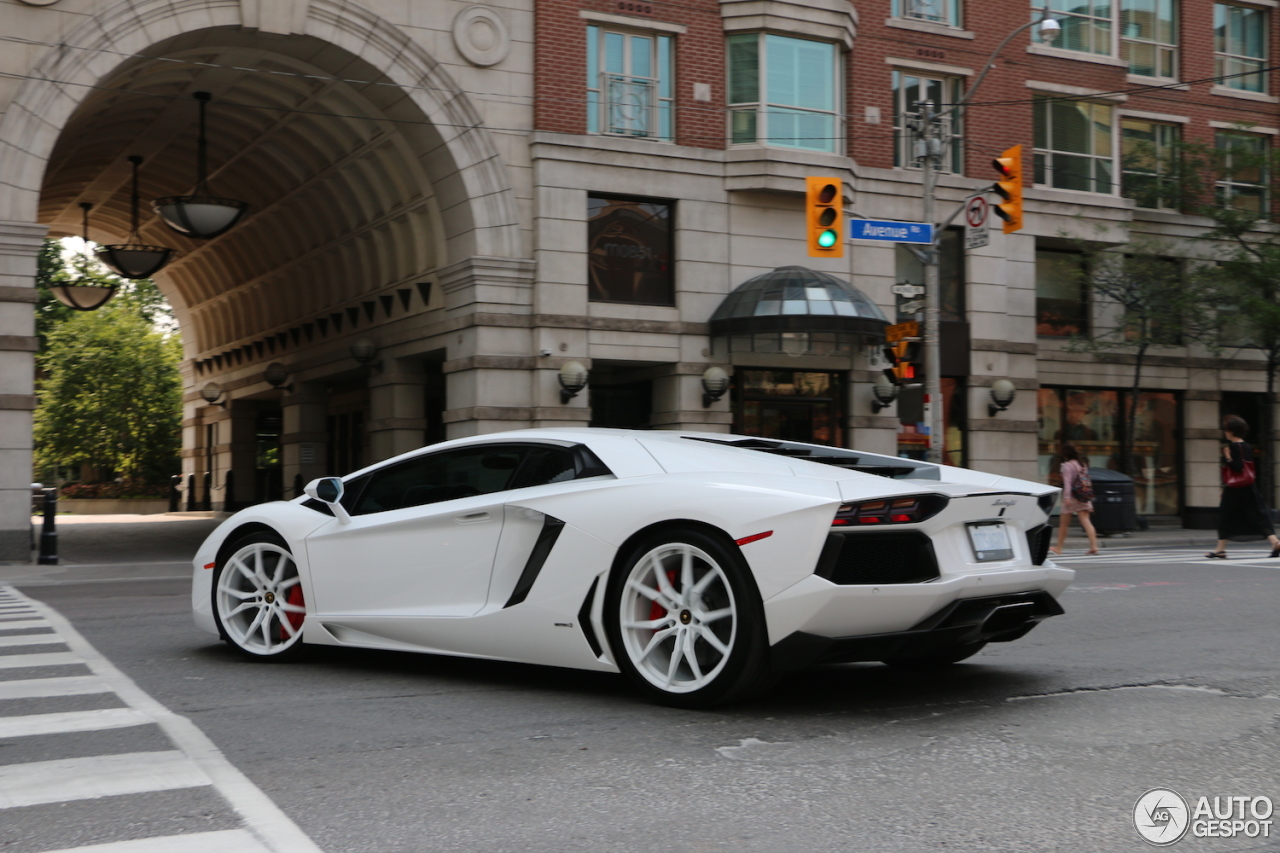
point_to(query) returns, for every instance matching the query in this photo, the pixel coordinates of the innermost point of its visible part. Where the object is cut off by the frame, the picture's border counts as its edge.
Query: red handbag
(1238, 479)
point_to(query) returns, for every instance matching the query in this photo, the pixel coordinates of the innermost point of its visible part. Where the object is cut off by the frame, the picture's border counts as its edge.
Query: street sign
(890, 232)
(915, 306)
(901, 331)
(976, 235)
(908, 289)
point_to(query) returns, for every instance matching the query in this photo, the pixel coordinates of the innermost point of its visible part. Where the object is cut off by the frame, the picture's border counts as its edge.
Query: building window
(934, 11)
(629, 84)
(790, 405)
(629, 251)
(1147, 162)
(783, 91)
(1239, 47)
(1149, 37)
(909, 89)
(1094, 420)
(1144, 32)
(1242, 174)
(1073, 145)
(1062, 309)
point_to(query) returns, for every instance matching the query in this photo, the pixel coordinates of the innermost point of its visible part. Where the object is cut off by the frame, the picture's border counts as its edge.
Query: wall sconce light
(1002, 394)
(715, 382)
(573, 378)
(276, 375)
(211, 392)
(885, 393)
(365, 351)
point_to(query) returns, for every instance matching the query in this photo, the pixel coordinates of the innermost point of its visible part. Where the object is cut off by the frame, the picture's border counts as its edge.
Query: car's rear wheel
(940, 658)
(258, 599)
(685, 620)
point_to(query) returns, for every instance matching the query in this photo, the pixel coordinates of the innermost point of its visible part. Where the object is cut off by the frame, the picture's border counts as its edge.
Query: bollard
(191, 493)
(175, 496)
(229, 494)
(207, 504)
(297, 485)
(49, 530)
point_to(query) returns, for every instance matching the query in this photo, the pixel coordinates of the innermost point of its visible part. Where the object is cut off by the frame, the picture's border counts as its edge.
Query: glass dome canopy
(796, 311)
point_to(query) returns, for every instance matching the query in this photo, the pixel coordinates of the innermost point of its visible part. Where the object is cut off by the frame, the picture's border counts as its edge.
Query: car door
(421, 541)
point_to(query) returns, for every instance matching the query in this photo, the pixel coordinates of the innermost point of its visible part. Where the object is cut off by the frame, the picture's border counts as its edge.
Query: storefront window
(913, 427)
(629, 251)
(1094, 421)
(789, 404)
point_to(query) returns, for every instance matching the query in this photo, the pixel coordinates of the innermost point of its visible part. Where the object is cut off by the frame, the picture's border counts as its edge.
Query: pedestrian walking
(1242, 513)
(1077, 497)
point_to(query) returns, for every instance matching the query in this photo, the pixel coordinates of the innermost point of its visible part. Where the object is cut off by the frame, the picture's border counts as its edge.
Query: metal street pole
(932, 144)
(932, 299)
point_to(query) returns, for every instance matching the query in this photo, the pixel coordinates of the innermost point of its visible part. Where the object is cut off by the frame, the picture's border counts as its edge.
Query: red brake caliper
(294, 597)
(656, 610)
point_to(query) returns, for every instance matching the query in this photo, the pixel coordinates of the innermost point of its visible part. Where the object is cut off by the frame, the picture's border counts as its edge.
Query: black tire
(938, 659)
(697, 662)
(256, 606)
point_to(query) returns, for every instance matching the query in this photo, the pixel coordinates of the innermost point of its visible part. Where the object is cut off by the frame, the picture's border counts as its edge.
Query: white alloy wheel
(258, 598)
(678, 618)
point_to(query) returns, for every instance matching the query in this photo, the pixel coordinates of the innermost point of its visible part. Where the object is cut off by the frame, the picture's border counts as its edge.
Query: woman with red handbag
(1242, 514)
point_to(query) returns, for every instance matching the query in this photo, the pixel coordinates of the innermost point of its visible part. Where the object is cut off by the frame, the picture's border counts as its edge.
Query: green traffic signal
(827, 238)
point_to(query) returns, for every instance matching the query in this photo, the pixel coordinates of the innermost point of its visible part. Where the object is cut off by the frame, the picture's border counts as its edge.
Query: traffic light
(1009, 188)
(902, 357)
(824, 217)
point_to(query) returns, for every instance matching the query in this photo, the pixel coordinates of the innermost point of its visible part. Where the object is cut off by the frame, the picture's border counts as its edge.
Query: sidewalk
(1161, 534)
(87, 542)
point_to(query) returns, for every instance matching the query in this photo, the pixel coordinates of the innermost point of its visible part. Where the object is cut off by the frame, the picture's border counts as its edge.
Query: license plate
(990, 541)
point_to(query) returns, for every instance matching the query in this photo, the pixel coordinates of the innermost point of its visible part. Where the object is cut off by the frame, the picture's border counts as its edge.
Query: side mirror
(329, 490)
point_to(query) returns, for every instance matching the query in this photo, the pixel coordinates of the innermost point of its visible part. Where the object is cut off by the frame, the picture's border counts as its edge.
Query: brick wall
(561, 71)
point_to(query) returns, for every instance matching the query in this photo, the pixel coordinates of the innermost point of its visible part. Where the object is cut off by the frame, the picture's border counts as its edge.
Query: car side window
(546, 465)
(437, 477)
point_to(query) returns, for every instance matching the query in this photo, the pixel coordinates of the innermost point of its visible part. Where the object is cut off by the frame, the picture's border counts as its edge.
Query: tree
(1233, 185)
(110, 395)
(1154, 302)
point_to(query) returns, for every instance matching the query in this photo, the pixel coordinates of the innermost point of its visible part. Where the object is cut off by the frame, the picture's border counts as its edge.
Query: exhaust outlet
(1009, 617)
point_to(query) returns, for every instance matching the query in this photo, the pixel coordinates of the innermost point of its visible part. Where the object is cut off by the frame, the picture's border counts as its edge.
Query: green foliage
(110, 395)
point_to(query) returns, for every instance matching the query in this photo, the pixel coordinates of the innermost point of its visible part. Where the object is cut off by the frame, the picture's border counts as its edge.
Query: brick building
(450, 202)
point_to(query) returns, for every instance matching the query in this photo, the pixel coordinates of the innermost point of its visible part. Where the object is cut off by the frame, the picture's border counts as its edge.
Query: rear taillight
(904, 510)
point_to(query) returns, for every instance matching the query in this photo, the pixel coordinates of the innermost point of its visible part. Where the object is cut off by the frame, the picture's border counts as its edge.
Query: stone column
(241, 444)
(19, 247)
(677, 401)
(303, 435)
(397, 421)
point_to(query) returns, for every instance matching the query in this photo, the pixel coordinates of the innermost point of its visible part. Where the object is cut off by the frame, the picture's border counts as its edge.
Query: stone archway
(372, 181)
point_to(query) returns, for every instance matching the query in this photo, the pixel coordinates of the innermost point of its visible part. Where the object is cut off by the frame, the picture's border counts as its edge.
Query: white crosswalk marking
(194, 763)
(71, 721)
(228, 841)
(1110, 556)
(66, 779)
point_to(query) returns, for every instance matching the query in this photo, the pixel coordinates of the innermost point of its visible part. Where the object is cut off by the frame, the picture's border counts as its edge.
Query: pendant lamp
(83, 294)
(202, 215)
(135, 259)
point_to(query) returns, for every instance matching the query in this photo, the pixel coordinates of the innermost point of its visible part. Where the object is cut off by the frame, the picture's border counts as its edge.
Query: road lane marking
(45, 659)
(226, 841)
(263, 819)
(47, 688)
(42, 782)
(72, 721)
(30, 640)
(7, 624)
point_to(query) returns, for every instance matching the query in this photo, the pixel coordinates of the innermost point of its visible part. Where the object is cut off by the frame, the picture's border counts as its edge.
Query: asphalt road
(1161, 674)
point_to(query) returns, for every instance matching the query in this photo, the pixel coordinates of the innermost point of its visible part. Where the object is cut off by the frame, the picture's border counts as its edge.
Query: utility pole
(930, 129)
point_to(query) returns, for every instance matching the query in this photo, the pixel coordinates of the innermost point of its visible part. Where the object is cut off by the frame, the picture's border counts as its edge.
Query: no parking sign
(975, 223)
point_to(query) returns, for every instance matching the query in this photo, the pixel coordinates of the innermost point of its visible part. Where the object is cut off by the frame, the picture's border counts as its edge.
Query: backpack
(1082, 488)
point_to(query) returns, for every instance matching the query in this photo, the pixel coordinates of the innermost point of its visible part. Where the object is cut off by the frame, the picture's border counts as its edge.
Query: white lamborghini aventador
(698, 564)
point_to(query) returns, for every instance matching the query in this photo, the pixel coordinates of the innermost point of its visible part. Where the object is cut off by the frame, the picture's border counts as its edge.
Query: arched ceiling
(332, 159)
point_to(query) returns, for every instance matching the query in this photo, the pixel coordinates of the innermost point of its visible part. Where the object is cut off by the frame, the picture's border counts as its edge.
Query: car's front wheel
(685, 620)
(258, 599)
